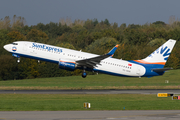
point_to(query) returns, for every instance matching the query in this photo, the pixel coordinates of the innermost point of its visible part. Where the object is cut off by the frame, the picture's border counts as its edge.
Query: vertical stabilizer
(161, 55)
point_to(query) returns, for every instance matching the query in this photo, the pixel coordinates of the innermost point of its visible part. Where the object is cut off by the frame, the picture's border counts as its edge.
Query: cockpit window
(15, 43)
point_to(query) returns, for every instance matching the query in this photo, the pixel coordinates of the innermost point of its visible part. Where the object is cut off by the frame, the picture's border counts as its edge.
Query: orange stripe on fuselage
(67, 61)
(144, 62)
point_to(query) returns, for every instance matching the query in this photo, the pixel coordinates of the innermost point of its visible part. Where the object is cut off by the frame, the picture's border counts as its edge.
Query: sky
(119, 11)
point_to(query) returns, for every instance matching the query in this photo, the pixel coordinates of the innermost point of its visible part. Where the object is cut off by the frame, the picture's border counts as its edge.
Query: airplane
(152, 65)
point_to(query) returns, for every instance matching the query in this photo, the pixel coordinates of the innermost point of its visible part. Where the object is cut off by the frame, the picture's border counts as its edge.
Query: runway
(92, 115)
(88, 91)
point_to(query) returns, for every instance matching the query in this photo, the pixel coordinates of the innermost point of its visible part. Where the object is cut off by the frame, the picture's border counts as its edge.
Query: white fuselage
(51, 53)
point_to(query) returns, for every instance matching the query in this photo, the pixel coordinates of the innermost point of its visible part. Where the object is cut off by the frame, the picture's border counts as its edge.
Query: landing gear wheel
(84, 74)
(18, 60)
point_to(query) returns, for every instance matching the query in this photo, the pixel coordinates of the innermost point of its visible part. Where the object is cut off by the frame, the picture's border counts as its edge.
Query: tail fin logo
(163, 51)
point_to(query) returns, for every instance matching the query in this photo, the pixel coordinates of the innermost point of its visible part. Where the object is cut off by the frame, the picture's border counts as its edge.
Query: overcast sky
(119, 11)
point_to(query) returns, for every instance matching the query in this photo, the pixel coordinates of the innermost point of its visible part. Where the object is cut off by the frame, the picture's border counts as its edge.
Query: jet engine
(67, 64)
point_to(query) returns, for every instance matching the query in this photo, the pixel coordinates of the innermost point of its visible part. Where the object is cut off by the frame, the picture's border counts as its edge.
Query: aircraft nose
(6, 47)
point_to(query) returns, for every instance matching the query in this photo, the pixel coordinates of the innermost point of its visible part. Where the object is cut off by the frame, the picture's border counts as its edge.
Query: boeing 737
(68, 59)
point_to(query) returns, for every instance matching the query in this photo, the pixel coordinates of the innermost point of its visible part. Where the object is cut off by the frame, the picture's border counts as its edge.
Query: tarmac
(92, 115)
(175, 91)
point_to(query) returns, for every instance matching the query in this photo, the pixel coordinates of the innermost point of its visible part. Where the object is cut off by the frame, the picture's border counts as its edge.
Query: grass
(56, 102)
(95, 82)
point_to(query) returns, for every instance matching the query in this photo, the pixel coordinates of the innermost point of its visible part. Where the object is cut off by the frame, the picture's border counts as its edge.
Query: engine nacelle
(67, 64)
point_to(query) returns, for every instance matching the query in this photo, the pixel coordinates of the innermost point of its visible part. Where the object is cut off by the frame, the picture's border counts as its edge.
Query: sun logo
(14, 49)
(163, 51)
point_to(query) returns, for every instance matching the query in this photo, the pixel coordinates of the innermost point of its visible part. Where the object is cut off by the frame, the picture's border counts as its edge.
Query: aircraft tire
(84, 74)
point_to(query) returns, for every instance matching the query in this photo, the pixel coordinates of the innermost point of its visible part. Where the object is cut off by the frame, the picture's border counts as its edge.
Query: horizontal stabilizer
(161, 69)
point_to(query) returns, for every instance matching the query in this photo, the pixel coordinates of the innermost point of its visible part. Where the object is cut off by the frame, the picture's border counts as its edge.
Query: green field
(55, 102)
(100, 81)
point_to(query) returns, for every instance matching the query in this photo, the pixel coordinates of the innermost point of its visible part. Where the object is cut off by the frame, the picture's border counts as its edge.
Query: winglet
(111, 52)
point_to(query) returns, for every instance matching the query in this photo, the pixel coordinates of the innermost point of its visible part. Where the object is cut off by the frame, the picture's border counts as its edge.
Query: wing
(92, 62)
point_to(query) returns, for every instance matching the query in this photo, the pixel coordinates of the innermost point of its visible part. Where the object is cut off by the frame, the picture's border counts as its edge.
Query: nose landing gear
(18, 60)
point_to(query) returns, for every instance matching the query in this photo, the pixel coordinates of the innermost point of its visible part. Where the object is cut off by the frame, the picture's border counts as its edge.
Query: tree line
(135, 42)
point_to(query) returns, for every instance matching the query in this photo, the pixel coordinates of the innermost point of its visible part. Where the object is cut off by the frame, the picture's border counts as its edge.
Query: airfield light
(87, 105)
(166, 81)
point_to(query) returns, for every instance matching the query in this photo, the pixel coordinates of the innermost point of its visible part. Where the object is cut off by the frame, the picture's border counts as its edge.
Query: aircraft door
(25, 47)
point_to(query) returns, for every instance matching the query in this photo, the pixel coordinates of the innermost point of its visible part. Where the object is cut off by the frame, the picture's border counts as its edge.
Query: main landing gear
(84, 74)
